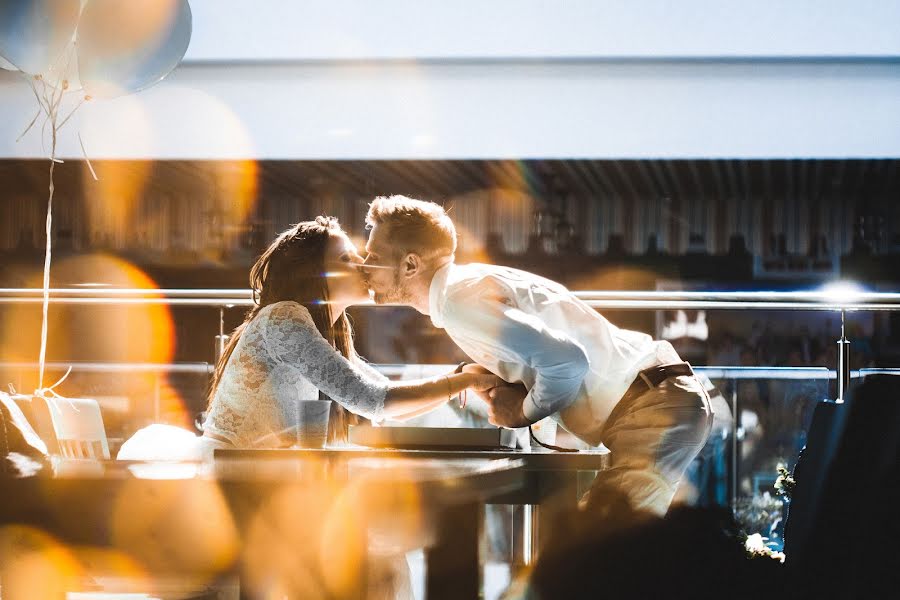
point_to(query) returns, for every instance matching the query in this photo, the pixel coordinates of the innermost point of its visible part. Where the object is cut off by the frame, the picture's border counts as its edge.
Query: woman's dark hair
(292, 268)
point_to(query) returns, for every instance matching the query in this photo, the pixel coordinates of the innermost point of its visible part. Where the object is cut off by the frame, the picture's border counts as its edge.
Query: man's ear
(411, 265)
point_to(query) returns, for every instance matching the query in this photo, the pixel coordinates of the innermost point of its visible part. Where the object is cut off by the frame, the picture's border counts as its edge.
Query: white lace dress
(281, 358)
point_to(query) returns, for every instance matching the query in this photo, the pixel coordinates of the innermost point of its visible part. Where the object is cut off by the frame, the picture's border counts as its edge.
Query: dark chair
(850, 549)
(825, 432)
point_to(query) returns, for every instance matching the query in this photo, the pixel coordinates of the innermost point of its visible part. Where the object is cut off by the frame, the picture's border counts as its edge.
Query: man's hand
(504, 401)
(505, 406)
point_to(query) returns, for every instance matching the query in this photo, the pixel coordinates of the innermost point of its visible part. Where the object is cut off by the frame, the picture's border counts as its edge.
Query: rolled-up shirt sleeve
(560, 362)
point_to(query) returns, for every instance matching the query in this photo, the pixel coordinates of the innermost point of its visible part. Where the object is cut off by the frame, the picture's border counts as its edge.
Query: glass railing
(762, 418)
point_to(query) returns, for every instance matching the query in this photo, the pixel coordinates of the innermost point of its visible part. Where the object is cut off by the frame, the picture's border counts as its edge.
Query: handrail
(223, 298)
(843, 301)
(626, 300)
(117, 367)
(397, 370)
(711, 371)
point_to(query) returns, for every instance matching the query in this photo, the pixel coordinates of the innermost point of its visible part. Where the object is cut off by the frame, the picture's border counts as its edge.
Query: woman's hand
(473, 369)
(483, 382)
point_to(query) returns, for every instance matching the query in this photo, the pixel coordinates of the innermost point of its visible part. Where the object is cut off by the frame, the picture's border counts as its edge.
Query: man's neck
(421, 297)
(421, 304)
(421, 300)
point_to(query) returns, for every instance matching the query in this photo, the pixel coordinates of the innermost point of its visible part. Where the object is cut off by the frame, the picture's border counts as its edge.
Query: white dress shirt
(524, 328)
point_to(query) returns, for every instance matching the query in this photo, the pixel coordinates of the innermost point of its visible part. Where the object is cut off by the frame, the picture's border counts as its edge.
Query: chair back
(78, 426)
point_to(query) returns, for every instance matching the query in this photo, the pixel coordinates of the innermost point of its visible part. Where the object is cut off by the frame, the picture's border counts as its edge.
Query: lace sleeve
(291, 338)
(368, 369)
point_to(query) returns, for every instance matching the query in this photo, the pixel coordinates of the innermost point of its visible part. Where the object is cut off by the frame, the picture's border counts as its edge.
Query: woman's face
(346, 283)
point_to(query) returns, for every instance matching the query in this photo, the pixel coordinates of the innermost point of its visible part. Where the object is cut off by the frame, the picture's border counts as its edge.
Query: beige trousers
(652, 439)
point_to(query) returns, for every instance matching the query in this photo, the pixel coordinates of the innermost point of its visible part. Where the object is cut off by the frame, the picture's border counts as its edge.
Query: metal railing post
(221, 339)
(843, 366)
(735, 431)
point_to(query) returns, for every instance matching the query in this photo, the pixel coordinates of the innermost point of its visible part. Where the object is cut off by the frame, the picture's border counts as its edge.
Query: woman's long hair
(293, 268)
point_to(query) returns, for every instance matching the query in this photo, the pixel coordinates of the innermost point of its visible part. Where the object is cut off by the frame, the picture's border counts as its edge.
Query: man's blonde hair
(414, 226)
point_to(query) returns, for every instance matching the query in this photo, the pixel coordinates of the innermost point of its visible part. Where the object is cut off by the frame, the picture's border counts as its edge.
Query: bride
(295, 343)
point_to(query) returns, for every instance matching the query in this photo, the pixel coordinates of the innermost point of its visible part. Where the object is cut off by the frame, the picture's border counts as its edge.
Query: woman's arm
(292, 339)
(367, 368)
(397, 411)
(408, 399)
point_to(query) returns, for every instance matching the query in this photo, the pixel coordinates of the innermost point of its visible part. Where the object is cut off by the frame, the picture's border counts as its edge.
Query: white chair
(78, 426)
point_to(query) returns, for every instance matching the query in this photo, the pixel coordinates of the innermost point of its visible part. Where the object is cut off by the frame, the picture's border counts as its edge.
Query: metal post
(736, 420)
(529, 533)
(221, 339)
(843, 366)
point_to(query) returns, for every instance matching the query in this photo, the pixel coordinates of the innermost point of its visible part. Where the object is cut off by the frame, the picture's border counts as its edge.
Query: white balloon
(126, 46)
(34, 35)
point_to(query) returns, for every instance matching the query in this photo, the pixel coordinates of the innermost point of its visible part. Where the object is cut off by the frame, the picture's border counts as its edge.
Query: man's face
(382, 267)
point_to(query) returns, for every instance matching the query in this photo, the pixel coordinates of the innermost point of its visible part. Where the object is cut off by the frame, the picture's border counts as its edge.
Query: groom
(599, 382)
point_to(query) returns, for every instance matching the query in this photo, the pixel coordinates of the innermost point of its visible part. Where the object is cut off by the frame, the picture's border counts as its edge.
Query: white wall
(509, 79)
(362, 29)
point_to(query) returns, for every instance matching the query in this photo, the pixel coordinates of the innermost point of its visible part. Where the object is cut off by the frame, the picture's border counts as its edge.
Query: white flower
(755, 544)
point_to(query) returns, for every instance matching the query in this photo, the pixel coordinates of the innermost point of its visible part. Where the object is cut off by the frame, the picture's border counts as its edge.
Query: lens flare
(118, 573)
(471, 216)
(175, 525)
(111, 201)
(842, 291)
(120, 127)
(283, 551)
(394, 511)
(35, 565)
(511, 210)
(235, 193)
(137, 333)
(135, 26)
(616, 277)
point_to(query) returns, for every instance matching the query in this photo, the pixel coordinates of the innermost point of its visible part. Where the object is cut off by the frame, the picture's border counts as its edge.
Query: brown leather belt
(645, 380)
(653, 376)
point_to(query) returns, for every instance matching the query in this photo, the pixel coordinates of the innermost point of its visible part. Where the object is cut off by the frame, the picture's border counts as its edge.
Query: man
(599, 382)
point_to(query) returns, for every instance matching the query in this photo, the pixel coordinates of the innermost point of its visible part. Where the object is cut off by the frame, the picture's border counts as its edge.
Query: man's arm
(504, 401)
(559, 361)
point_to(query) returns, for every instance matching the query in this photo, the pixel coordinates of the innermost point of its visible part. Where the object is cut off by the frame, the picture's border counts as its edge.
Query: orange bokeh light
(136, 333)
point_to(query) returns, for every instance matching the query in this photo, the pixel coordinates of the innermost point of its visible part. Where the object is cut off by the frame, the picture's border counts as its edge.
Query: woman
(295, 343)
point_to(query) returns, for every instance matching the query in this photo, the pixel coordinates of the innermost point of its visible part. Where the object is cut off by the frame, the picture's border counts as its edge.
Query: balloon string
(52, 113)
(30, 125)
(86, 159)
(52, 110)
(51, 390)
(66, 120)
(49, 102)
